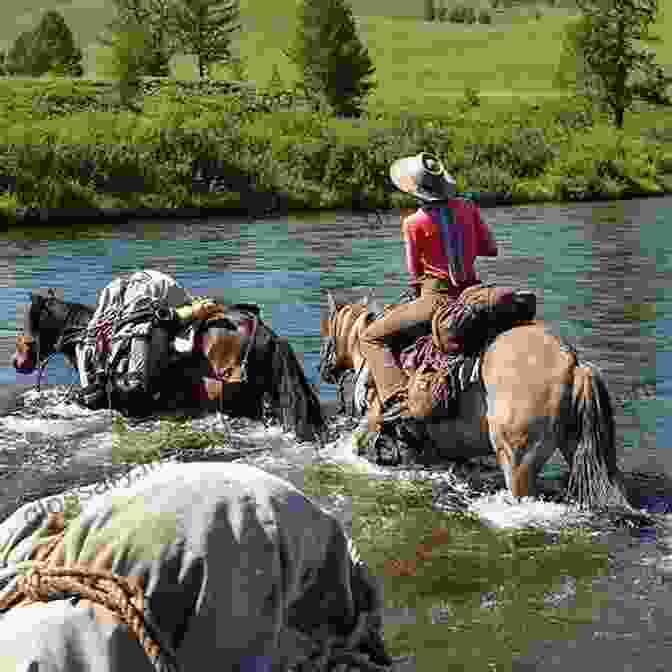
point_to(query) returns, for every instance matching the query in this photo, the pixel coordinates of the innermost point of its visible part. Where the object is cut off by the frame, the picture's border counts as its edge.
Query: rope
(123, 597)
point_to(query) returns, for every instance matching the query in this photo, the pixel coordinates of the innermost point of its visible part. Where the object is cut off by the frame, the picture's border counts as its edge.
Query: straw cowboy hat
(423, 176)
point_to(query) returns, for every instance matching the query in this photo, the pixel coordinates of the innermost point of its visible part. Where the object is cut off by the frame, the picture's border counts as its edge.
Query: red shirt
(425, 255)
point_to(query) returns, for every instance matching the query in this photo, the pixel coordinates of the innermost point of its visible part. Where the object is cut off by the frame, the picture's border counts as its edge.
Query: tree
(50, 47)
(430, 10)
(334, 64)
(124, 60)
(603, 61)
(53, 48)
(20, 56)
(152, 15)
(203, 28)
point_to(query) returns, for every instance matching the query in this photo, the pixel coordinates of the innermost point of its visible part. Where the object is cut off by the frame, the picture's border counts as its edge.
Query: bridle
(328, 371)
(69, 336)
(244, 359)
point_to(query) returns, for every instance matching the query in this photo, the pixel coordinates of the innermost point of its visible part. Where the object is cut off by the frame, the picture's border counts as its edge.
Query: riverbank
(208, 155)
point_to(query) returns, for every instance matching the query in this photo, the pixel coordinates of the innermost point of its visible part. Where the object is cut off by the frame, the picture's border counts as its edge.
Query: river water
(601, 272)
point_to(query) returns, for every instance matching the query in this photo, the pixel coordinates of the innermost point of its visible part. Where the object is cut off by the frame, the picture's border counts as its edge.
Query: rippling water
(602, 273)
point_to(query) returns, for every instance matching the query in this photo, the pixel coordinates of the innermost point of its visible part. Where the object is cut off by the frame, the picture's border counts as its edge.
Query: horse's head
(339, 350)
(42, 328)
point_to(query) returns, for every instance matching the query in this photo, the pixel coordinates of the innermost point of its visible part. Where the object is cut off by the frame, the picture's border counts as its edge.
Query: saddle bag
(431, 392)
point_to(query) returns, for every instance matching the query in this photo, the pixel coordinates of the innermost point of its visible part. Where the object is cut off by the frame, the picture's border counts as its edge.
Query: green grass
(415, 60)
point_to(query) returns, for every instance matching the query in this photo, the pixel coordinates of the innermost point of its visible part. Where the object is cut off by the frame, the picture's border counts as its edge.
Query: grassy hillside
(416, 61)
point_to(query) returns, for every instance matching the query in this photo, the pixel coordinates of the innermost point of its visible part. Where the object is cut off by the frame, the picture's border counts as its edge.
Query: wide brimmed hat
(423, 176)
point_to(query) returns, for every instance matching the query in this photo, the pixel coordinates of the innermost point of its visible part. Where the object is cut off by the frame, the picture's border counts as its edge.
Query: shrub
(530, 153)
(470, 99)
(462, 14)
(484, 17)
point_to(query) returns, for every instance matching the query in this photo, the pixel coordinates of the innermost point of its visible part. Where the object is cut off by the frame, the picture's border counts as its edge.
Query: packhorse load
(199, 566)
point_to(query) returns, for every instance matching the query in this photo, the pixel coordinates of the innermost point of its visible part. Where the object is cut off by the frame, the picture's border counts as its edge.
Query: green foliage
(462, 14)
(557, 150)
(484, 17)
(49, 48)
(54, 49)
(19, 59)
(237, 66)
(335, 65)
(152, 15)
(602, 57)
(470, 99)
(203, 28)
(124, 62)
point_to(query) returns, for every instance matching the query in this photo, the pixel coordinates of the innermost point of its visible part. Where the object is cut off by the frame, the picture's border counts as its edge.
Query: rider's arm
(413, 262)
(487, 245)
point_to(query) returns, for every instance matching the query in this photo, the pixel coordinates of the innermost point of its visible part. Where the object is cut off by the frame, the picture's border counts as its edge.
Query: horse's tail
(595, 480)
(295, 403)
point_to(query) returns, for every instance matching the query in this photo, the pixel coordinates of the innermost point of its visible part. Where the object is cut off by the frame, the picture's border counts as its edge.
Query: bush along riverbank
(217, 153)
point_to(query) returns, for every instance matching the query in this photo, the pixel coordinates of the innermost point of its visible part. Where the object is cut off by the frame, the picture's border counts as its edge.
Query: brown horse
(534, 396)
(239, 364)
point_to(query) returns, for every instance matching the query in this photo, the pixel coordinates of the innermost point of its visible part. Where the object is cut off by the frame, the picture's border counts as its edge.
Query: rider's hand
(203, 309)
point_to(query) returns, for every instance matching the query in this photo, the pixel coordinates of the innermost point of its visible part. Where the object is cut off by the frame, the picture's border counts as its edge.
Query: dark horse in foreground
(272, 373)
(532, 396)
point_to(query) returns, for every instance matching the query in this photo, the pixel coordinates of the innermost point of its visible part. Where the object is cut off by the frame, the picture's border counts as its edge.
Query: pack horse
(125, 352)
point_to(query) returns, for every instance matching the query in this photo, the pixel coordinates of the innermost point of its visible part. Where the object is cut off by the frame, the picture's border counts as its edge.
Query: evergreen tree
(152, 15)
(20, 56)
(53, 48)
(603, 60)
(203, 29)
(334, 63)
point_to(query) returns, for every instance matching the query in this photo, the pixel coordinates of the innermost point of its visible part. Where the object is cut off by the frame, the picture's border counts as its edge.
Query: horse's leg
(522, 452)
(526, 376)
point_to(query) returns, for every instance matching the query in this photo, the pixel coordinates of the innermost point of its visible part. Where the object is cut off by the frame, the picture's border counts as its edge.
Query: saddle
(206, 312)
(445, 359)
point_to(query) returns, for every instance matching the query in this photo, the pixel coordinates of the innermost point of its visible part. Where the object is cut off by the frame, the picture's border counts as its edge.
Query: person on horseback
(442, 239)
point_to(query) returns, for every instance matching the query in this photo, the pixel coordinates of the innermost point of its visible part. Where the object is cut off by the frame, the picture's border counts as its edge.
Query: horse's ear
(331, 303)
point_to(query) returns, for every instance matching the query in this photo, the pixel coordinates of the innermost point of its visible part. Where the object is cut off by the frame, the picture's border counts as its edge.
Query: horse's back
(527, 371)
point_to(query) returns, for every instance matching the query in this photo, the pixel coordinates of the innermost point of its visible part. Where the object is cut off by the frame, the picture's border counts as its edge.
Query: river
(601, 272)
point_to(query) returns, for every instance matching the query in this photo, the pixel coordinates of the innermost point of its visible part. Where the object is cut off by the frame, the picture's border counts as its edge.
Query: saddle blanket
(240, 571)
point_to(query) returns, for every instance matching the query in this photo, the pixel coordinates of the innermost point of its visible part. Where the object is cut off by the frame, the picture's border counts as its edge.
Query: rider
(442, 239)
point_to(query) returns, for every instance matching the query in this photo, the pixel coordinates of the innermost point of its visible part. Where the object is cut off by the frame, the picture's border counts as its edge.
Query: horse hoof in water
(387, 450)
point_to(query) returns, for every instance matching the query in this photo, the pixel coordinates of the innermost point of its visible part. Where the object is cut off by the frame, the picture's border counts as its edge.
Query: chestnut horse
(534, 396)
(230, 368)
